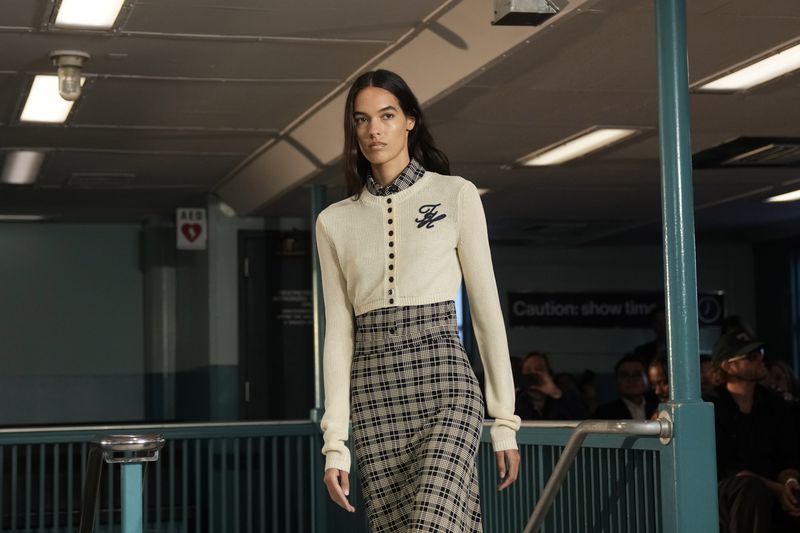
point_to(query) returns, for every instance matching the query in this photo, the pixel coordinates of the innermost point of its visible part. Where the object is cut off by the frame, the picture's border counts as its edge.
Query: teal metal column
(132, 498)
(688, 464)
(318, 492)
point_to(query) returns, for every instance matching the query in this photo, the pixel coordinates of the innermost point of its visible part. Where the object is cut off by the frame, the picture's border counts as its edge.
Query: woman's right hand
(339, 491)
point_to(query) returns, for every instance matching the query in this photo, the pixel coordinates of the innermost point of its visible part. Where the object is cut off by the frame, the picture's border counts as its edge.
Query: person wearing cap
(756, 445)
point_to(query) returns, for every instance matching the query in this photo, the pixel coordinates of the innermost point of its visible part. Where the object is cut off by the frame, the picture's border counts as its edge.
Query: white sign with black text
(191, 229)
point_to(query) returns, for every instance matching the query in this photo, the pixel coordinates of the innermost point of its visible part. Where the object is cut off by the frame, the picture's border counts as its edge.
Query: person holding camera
(540, 398)
(757, 458)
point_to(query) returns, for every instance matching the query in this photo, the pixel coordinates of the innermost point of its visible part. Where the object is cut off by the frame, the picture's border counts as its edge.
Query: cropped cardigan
(408, 248)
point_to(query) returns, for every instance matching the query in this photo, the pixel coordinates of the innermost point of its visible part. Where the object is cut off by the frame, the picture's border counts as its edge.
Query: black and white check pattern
(416, 413)
(406, 179)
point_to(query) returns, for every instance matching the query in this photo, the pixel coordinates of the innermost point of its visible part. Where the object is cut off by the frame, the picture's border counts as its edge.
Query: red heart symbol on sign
(191, 231)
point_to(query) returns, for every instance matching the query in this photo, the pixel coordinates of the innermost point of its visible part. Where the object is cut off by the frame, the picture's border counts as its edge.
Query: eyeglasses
(752, 356)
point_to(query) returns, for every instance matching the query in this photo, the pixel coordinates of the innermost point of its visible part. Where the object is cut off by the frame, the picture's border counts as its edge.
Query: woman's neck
(387, 172)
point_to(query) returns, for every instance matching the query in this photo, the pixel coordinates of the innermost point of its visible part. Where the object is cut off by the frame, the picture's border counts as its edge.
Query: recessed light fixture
(44, 103)
(762, 71)
(21, 218)
(578, 145)
(786, 197)
(93, 14)
(21, 167)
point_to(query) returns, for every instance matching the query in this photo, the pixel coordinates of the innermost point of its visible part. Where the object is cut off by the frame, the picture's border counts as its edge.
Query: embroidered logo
(429, 216)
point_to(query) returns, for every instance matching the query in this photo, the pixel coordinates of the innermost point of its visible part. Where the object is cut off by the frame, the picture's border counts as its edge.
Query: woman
(393, 255)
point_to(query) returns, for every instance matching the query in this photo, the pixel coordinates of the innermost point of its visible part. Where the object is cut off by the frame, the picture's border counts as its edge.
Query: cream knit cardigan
(435, 231)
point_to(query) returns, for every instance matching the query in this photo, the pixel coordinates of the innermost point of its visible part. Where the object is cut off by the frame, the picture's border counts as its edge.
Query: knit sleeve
(487, 317)
(337, 354)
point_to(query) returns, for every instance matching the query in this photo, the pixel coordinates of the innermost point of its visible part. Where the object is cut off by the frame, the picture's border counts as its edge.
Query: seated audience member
(707, 378)
(756, 446)
(588, 391)
(782, 380)
(541, 398)
(659, 382)
(633, 401)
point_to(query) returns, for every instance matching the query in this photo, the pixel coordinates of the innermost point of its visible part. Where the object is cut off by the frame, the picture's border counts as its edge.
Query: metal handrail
(662, 428)
(124, 449)
(134, 427)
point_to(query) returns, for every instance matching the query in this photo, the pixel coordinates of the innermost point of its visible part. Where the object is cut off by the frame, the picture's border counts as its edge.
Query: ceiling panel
(132, 139)
(22, 13)
(260, 106)
(9, 88)
(138, 56)
(77, 205)
(148, 170)
(342, 19)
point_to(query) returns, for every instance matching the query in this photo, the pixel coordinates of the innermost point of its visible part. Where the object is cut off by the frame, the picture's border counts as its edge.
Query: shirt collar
(406, 179)
(636, 409)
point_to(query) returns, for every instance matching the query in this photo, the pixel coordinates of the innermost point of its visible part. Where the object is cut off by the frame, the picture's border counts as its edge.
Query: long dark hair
(420, 142)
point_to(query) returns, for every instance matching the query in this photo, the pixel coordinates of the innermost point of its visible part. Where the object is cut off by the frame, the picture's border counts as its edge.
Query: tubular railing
(267, 476)
(661, 428)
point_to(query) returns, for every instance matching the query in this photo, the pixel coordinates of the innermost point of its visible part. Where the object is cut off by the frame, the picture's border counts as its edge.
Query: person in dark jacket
(634, 402)
(757, 463)
(540, 398)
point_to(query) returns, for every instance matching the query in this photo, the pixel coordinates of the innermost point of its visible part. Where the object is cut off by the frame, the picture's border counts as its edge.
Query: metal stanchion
(131, 451)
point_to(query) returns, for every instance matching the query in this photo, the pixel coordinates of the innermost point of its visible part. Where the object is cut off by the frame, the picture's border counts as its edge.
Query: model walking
(392, 257)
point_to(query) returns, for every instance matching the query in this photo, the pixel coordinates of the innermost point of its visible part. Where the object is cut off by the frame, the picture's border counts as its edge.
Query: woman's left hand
(507, 467)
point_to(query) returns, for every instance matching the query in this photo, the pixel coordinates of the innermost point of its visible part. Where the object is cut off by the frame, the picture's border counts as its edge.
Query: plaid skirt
(417, 414)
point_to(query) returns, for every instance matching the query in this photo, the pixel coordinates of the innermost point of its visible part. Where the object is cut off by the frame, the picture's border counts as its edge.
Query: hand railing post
(131, 451)
(132, 498)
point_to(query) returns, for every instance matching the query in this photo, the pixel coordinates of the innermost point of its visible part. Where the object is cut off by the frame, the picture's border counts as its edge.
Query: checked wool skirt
(417, 414)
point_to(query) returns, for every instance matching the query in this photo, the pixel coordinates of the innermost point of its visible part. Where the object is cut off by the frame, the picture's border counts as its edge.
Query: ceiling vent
(101, 180)
(781, 152)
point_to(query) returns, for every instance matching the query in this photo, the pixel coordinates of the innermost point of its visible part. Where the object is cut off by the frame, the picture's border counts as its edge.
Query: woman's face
(382, 128)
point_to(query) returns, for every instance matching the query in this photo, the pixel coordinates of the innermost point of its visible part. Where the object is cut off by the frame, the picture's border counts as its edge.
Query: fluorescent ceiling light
(21, 167)
(44, 103)
(787, 197)
(96, 14)
(21, 218)
(754, 74)
(577, 146)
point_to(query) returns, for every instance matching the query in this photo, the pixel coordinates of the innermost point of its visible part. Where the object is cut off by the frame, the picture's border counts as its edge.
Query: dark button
(392, 330)
(391, 256)
(391, 232)
(390, 221)
(390, 209)
(391, 301)
(388, 200)
(391, 291)
(391, 243)
(391, 279)
(391, 267)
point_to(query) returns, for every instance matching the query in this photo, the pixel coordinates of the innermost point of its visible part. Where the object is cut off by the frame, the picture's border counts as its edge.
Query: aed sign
(190, 225)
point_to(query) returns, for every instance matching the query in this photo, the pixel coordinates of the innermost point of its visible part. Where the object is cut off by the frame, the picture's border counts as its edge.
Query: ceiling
(242, 99)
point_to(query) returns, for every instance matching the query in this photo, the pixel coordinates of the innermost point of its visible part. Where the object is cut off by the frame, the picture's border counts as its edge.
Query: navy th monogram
(429, 216)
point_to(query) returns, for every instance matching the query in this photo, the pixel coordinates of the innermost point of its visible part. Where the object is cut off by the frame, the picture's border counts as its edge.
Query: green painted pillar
(688, 462)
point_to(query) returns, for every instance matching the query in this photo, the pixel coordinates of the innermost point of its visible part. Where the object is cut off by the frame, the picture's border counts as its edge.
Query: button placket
(389, 218)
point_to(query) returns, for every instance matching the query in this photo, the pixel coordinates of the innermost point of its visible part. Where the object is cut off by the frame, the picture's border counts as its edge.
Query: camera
(531, 380)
